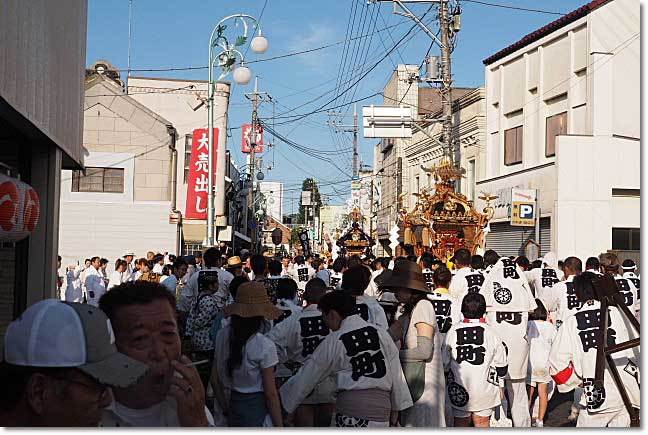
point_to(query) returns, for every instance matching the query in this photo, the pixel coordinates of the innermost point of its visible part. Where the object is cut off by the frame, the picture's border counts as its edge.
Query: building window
(513, 145)
(108, 180)
(187, 157)
(626, 239)
(556, 126)
(418, 184)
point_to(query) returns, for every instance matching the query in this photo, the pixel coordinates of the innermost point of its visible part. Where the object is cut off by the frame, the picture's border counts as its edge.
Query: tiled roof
(544, 31)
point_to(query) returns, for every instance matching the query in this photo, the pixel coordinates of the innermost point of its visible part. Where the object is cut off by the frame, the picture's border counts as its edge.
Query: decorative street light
(227, 61)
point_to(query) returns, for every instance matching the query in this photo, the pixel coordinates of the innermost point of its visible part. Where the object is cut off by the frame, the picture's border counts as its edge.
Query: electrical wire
(505, 6)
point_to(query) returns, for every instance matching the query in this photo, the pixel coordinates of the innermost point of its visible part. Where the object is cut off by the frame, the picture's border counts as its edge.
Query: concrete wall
(587, 169)
(43, 46)
(274, 190)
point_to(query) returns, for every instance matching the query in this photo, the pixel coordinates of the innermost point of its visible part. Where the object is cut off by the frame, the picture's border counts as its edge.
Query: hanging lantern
(19, 209)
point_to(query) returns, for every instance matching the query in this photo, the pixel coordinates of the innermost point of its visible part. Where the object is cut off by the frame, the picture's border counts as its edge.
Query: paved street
(558, 411)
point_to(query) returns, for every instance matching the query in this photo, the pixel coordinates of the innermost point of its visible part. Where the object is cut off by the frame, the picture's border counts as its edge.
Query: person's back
(354, 281)
(476, 361)
(367, 391)
(572, 360)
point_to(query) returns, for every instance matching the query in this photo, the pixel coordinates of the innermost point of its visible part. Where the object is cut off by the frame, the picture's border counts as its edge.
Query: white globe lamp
(259, 44)
(242, 75)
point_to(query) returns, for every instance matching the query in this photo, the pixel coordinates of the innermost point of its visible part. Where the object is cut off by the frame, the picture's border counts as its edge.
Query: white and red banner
(247, 138)
(19, 209)
(198, 183)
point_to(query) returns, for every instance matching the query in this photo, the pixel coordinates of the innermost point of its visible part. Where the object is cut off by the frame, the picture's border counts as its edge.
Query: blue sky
(167, 34)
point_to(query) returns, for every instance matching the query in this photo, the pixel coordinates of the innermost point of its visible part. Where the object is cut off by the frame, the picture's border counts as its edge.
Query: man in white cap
(59, 360)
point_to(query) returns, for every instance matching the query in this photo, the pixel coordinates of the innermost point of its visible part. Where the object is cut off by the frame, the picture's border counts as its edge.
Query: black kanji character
(442, 307)
(302, 274)
(512, 318)
(474, 281)
(361, 340)
(548, 281)
(368, 365)
(589, 339)
(623, 285)
(588, 319)
(313, 326)
(472, 354)
(470, 335)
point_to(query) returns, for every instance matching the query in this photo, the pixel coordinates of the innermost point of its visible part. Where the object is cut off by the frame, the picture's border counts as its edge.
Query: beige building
(43, 46)
(469, 115)
(401, 89)
(124, 197)
(562, 117)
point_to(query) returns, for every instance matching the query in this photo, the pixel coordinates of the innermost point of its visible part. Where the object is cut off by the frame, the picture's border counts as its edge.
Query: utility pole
(446, 84)
(257, 98)
(449, 24)
(338, 126)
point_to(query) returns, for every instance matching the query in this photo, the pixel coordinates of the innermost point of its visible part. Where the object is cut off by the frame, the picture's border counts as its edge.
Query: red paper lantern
(19, 209)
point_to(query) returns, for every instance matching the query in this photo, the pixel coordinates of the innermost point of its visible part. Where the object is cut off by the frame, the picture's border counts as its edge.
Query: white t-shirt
(164, 414)
(541, 335)
(258, 353)
(562, 299)
(157, 268)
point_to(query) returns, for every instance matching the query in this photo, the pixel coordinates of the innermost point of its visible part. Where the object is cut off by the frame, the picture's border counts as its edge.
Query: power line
(267, 59)
(504, 6)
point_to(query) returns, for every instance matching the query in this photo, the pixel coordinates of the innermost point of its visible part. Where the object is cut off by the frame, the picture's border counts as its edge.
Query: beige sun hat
(252, 301)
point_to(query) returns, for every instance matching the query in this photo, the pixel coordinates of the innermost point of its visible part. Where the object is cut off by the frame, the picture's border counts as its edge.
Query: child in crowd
(541, 334)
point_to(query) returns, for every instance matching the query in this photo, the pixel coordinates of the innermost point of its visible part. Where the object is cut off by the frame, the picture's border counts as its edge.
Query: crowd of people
(214, 339)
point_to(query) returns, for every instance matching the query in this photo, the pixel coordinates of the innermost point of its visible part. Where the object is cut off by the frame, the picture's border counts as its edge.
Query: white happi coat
(361, 356)
(447, 311)
(336, 280)
(302, 274)
(544, 279)
(475, 359)
(94, 285)
(634, 279)
(428, 275)
(508, 302)
(630, 293)
(466, 280)
(371, 311)
(562, 299)
(572, 360)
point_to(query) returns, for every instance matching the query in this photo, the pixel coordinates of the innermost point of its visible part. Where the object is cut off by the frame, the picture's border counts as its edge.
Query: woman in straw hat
(246, 360)
(416, 329)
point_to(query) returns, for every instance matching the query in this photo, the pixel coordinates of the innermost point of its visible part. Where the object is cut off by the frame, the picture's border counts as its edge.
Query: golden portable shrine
(355, 241)
(443, 220)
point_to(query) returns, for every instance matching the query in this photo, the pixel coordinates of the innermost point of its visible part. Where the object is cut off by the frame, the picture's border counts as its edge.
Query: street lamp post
(226, 60)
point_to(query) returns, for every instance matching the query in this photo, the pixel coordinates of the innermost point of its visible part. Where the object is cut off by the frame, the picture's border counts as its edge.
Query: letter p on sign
(526, 211)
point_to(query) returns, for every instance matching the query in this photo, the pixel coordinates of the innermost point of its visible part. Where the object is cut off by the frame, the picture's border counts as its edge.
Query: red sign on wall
(247, 138)
(198, 183)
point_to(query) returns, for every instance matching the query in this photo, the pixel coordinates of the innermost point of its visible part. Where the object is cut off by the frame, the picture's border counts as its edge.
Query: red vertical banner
(247, 138)
(198, 183)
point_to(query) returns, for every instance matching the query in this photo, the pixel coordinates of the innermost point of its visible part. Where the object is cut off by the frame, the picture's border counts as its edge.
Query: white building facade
(562, 117)
(273, 195)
